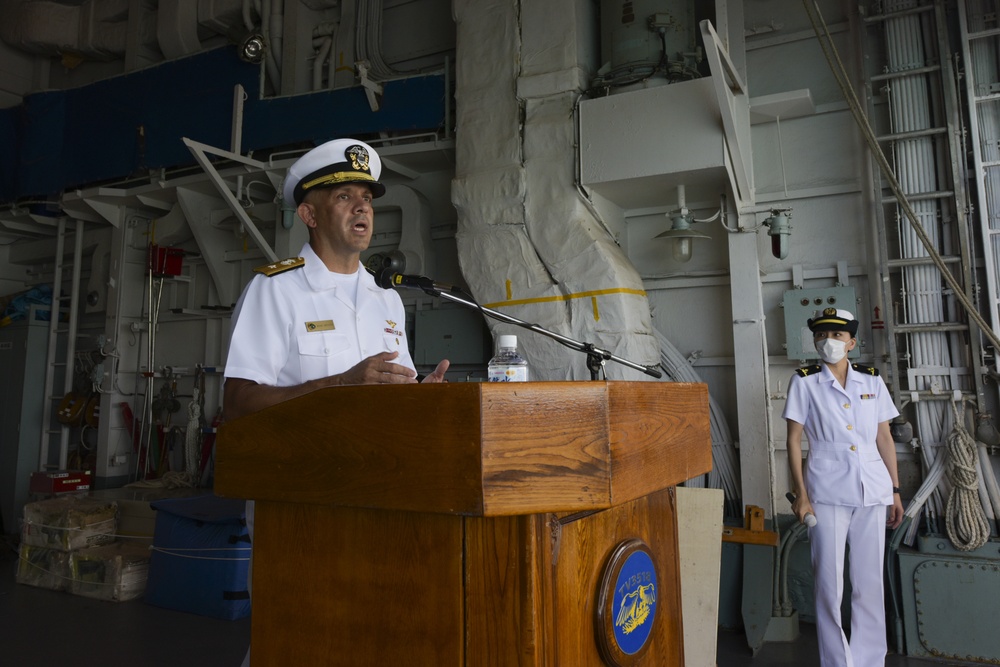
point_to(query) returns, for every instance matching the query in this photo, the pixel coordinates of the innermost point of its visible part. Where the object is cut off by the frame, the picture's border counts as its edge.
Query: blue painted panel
(121, 127)
(125, 125)
(407, 104)
(9, 121)
(40, 154)
(118, 127)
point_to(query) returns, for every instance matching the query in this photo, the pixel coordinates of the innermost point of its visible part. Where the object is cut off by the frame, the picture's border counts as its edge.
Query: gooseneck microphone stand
(596, 357)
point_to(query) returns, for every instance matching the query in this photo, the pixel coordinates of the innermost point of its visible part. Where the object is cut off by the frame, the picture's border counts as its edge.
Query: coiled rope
(965, 520)
(192, 438)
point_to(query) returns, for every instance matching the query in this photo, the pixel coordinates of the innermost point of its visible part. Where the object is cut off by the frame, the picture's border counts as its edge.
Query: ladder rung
(874, 18)
(915, 134)
(992, 97)
(906, 72)
(922, 196)
(921, 261)
(930, 327)
(982, 34)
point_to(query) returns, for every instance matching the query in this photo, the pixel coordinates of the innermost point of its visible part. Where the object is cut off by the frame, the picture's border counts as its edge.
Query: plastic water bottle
(507, 365)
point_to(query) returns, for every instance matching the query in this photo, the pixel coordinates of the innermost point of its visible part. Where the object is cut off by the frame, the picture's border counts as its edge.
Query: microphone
(809, 519)
(386, 278)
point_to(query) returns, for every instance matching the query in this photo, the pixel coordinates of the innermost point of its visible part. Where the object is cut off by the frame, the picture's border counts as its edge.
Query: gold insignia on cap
(830, 312)
(320, 325)
(358, 157)
(280, 267)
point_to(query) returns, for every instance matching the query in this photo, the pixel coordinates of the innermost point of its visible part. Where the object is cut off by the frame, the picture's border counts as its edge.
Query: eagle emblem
(358, 157)
(635, 608)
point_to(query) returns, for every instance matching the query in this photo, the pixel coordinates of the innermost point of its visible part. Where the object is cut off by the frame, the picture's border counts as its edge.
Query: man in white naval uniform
(320, 320)
(850, 478)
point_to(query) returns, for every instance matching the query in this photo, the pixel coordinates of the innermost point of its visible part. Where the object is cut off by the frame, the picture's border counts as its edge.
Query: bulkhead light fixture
(252, 48)
(681, 234)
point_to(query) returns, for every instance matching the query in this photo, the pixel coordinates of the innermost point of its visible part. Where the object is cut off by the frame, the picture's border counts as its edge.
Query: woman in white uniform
(850, 478)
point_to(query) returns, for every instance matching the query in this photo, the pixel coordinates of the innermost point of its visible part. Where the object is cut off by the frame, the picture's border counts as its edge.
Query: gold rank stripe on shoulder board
(808, 370)
(280, 267)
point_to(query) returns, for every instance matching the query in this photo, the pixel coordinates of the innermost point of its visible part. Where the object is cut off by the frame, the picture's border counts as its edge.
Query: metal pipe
(321, 56)
(74, 302)
(50, 356)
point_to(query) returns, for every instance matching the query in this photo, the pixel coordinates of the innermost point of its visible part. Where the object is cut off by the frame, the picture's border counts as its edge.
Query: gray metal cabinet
(22, 394)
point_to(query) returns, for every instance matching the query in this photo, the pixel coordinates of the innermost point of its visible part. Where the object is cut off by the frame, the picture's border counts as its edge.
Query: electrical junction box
(801, 305)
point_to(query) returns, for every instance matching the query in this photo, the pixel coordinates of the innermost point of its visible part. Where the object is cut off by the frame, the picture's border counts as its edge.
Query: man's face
(341, 216)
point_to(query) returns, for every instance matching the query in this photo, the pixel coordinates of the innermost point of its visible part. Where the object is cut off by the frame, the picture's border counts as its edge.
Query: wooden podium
(461, 524)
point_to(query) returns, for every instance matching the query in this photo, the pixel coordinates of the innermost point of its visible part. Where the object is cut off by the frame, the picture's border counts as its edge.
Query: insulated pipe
(50, 28)
(50, 356)
(984, 494)
(247, 18)
(989, 479)
(74, 308)
(909, 109)
(725, 473)
(277, 30)
(795, 535)
(415, 227)
(270, 60)
(319, 62)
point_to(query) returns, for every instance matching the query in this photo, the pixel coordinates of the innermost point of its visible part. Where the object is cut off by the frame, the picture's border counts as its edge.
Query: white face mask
(831, 350)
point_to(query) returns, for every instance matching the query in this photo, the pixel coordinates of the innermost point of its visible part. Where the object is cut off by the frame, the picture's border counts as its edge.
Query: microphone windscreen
(383, 277)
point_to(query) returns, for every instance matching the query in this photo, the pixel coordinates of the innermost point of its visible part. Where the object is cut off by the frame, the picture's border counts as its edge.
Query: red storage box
(64, 481)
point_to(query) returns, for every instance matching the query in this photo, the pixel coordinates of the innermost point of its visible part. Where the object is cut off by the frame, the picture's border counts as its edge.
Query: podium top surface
(477, 449)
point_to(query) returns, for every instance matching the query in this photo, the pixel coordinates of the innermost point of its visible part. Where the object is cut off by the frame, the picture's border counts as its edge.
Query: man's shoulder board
(808, 370)
(865, 368)
(280, 267)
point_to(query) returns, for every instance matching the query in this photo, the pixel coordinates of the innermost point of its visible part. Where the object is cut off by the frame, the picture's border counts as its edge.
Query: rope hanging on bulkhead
(965, 520)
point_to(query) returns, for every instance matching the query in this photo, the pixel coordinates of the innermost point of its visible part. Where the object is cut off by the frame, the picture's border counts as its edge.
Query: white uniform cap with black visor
(334, 163)
(834, 319)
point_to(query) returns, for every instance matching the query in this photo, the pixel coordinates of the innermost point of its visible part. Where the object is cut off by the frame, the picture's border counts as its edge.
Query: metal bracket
(373, 90)
(201, 152)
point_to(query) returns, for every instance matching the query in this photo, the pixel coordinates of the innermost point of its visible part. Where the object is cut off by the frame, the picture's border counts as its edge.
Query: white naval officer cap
(834, 319)
(333, 163)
